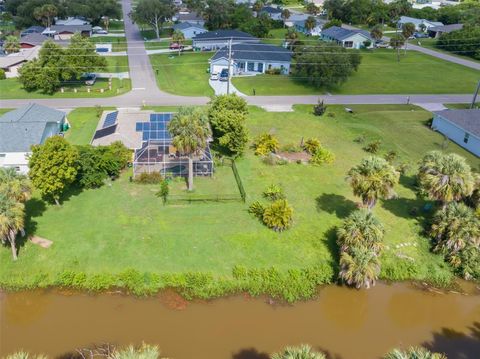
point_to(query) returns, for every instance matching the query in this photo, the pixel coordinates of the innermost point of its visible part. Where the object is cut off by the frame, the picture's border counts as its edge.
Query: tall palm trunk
(11, 239)
(190, 172)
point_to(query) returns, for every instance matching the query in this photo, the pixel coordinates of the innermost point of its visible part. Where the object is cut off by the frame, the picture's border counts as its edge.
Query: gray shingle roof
(446, 28)
(258, 52)
(191, 16)
(71, 28)
(186, 25)
(469, 120)
(339, 33)
(34, 39)
(224, 35)
(26, 126)
(271, 10)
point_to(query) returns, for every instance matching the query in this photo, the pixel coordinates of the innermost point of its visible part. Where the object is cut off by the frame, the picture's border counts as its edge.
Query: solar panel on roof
(139, 126)
(110, 119)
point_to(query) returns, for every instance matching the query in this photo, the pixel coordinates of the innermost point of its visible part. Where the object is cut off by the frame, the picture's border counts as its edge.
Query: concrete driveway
(220, 88)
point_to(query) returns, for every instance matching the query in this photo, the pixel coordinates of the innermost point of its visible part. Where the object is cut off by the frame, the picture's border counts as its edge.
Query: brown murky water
(346, 323)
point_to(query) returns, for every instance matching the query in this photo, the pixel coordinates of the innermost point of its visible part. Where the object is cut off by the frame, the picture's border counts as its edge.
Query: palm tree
(12, 221)
(445, 177)
(359, 267)
(11, 45)
(291, 36)
(25, 355)
(407, 31)
(361, 228)
(301, 352)
(414, 353)
(285, 15)
(14, 185)
(454, 227)
(145, 351)
(190, 131)
(179, 38)
(372, 179)
(310, 23)
(376, 33)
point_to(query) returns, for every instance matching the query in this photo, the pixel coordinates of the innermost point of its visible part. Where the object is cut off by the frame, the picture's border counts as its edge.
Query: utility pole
(229, 64)
(475, 96)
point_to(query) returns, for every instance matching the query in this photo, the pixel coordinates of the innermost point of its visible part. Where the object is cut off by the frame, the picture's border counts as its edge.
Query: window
(251, 66)
(467, 136)
(348, 44)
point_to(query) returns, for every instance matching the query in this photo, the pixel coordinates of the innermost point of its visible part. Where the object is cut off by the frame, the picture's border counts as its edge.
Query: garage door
(216, 69)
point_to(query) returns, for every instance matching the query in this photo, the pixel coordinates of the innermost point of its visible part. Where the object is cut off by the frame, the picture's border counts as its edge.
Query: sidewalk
(220, 88)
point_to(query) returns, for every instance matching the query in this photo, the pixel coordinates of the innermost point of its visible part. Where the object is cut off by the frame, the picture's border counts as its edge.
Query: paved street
(145, 90)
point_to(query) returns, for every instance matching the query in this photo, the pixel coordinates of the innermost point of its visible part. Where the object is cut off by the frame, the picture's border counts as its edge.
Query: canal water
(346, 323)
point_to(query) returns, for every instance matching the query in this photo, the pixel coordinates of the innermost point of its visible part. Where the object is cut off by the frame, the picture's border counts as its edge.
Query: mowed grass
(116, 64)
(379, 73)
(83, 122)
(118, 43)
(431, 44)
(125, 225)
(183, 75)
(12, 89)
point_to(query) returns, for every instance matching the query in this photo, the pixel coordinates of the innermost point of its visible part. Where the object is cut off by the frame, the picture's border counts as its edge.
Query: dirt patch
(42, 242)
(294, 156)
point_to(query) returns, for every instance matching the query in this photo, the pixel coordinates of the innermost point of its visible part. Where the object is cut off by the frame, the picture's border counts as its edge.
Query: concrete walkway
(220, 88)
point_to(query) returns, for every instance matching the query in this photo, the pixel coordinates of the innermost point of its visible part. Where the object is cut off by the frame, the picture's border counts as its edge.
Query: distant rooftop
(258, 52)
(224, 35)
(339, 33)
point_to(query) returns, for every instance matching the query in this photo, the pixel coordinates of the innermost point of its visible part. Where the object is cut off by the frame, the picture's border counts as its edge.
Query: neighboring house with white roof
(252, 59)
(24, 127)
(214, 40)
(417, 22)
(72, 21)
(350, 39)
(460, 126)
(65, 32)
(437, 31)
(189, 30)
(316, 31)
(12, 63)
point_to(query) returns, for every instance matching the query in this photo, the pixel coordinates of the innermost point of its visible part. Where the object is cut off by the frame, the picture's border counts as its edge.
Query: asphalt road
(145, 90)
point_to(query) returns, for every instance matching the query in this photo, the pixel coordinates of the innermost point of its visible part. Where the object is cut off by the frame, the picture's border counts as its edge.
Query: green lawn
(150, 34)
(117, 63)
(116, 26)
(118, 43)
(379, 73)
(12, 88)
(183, 75)
(163, 44)
(124, 225)
(277, 37)
(83, 122)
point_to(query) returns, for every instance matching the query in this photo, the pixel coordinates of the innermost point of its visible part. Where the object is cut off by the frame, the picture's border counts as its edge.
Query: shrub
(149, 178)
(164, 191)
(391, 156)
(372, 147)
(321, 156)
(274, 71)
(278, 216)
(274, 192)
(265, 143)
(2, 74)
(319, 109)
(312, 145)
(360, 139)
(257, 209)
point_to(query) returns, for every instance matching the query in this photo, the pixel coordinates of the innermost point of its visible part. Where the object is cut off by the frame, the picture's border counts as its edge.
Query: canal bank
(346, 323)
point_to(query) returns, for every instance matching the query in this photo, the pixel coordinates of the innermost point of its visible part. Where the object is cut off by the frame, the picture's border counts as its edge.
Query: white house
(65, 32)
(189, 30)
(252, 59)
(72, 21)
(191, 17)
(214, 40)
(419, 23)
(12, 63)
(24, 127)
(316, 31)
(273, 13)
(351, 39)
(460, 126)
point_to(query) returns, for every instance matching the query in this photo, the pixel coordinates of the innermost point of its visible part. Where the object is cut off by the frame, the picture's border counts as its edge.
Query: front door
(260, 67)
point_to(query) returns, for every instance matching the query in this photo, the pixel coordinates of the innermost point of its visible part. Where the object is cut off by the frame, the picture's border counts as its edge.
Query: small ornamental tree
(53, 167)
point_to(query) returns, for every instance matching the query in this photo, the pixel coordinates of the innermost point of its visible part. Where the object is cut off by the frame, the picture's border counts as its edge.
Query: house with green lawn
(253, 59)
(350, 39)
(214, 40)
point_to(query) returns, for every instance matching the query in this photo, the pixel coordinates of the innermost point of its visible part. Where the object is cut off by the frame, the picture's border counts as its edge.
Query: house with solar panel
(146, 133)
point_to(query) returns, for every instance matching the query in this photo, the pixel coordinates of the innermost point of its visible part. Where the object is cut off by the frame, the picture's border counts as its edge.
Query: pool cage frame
(160, 156)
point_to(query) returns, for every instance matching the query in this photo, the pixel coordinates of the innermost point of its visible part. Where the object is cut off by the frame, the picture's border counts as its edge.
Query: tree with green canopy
(179, 38)
(11, 44)
(53, 167)
(359, 267)
(408, 30)
(396, 42)
(190, 131)
(310, 23)
(14, 185)
(376, 33)
(373, 179)
(154, 13)
(45, 13)
(12, 221)
(414, 353)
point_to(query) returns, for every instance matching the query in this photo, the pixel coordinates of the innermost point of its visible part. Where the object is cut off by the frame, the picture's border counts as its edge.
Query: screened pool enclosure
(157, 153)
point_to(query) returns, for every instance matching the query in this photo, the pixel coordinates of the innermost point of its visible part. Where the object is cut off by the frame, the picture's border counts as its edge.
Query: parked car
(381, 44)
(224, 75)
(101, 32)
(420, 35)
(214, 76)
(175, 46)
(89, 79)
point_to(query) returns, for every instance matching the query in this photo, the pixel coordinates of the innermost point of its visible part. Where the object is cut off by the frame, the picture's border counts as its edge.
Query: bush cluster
(265, 144)
(149, 178)
(278, 215)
